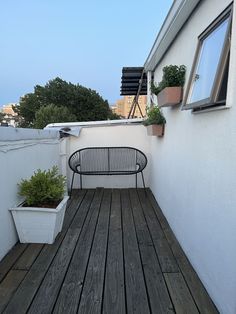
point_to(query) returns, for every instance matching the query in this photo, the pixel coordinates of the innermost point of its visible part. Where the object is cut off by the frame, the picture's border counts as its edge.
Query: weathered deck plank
(10, 259)
(9, 285)
(166, 258)
(158, 294)
(200, 295)
(115, 254)
(68, 299)
(28, 257)
(114, 294)
(31, 283)
(91, 297)
(137, 300)
(180, 295)
(48, 291)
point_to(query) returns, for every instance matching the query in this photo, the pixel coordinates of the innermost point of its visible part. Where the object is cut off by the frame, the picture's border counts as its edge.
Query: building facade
(10, 116)
(193, 175)
(122, 106)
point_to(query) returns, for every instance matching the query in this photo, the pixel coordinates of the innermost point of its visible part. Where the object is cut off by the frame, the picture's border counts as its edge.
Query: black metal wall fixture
(133, 83)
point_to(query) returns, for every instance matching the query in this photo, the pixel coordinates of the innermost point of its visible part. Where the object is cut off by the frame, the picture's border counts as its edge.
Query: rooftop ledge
(176, 18)
(18, 134)
(93, 123)
(50, 132)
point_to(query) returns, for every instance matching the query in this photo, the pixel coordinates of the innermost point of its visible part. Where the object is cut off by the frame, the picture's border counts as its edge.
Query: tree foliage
(52, 114)
(83, 103)
(2, 115)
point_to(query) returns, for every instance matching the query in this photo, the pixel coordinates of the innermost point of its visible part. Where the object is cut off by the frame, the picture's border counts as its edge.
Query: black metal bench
(107, 161)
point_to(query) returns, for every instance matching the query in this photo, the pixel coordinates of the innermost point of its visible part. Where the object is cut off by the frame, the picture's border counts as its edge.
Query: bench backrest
(108, 160)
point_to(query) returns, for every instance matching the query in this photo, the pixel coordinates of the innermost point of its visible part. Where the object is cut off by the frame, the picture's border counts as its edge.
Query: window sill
(203, 110)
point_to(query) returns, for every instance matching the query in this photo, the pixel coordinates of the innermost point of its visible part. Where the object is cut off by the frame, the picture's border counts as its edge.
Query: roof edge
(93, 123)
(174, 21)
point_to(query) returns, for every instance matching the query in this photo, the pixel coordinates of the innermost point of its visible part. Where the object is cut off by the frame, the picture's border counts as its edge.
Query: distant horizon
(82, 43)
(17, 102)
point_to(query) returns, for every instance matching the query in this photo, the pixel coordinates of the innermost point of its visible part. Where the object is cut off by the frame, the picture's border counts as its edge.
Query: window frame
(212, 100)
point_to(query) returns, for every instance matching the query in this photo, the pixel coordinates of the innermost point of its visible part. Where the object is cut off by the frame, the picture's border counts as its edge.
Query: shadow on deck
(115, 254)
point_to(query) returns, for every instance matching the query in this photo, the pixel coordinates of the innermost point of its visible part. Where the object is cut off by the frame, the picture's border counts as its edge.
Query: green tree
(26, 110)
(2, 115)
(52, 114)
(85, 103)
(114, 116)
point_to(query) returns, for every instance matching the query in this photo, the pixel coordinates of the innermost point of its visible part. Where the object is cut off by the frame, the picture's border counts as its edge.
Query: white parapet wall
(22, 151)
(132, 135)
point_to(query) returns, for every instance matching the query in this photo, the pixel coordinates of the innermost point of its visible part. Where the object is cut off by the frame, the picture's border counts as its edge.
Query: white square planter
(39, 225)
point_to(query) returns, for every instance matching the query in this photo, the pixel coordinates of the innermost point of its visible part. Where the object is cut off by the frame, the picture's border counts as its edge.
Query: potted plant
(170, 90)
(40, 217)
(155, 121)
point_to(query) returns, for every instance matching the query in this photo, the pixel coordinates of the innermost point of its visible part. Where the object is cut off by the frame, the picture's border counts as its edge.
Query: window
(209, 76)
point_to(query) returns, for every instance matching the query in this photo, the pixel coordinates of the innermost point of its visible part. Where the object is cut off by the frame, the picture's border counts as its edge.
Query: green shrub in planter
(173, 76)
(43, 188)
(154, 116)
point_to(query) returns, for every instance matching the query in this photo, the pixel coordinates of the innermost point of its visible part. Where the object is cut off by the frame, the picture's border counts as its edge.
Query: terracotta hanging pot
(156, 130)
(170, 96)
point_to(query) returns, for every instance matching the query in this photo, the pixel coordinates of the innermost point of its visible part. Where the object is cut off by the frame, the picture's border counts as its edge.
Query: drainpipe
(63, 156)
(149, 80)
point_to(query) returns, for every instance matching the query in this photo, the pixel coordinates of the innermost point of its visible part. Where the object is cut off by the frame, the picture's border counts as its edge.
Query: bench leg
(81, 186)
(71, 187)
(136, 180)
(143, 183)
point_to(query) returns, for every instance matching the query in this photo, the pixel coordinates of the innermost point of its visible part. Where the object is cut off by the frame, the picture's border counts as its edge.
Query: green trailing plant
(43, 188)
(154, 116)
(173, 75)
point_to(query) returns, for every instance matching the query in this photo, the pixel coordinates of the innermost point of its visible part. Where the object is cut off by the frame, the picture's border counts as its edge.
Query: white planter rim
(41, 209)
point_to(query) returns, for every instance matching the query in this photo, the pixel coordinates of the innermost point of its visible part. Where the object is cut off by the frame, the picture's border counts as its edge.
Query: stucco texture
(193, 172)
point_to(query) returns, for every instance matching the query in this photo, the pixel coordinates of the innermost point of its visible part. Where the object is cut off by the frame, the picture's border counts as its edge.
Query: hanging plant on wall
(155, 122)
(170, 90)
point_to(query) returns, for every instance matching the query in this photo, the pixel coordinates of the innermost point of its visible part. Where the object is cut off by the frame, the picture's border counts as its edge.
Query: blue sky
(85, 42)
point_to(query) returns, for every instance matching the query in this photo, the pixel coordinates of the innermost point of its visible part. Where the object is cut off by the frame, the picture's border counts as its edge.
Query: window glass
(208, 61)
(224, 84)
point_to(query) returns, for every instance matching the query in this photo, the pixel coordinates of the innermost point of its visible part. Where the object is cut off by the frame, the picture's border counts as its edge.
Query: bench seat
(107, 161)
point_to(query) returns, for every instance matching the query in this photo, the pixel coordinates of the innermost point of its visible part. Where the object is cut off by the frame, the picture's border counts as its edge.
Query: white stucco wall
(133, 135)
(193, 173)
(22, 151)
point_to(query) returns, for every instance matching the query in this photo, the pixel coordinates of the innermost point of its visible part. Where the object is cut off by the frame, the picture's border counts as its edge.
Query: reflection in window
(208, 82)
(224, 84)
(208, 62)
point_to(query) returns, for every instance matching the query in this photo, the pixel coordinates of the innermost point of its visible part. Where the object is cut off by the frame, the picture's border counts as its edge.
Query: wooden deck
(115, 254)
